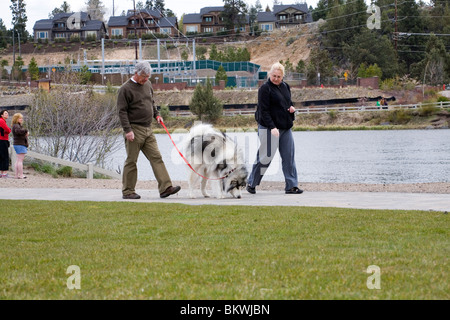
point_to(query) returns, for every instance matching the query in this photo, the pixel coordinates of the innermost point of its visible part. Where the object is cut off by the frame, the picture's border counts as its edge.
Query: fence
(326, 109)
(88, 168)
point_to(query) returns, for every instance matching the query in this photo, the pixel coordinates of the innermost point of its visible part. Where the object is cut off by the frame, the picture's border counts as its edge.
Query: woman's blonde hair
(16, 117)
(277, 66)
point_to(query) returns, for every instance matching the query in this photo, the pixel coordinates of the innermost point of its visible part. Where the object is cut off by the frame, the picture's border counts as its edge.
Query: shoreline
(36, 180)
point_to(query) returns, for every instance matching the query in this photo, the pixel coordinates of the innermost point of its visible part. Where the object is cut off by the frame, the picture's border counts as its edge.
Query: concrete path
(360, 200)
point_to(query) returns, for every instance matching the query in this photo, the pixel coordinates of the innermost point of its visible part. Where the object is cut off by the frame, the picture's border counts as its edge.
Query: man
(137, 108)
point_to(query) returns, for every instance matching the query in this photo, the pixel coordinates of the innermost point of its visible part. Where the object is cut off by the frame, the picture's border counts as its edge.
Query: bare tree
(79, 126)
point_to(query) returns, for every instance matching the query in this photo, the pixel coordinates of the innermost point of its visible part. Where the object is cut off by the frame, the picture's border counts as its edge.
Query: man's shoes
(251, 190)
(131, 196)
(294, 190)
(169, 191)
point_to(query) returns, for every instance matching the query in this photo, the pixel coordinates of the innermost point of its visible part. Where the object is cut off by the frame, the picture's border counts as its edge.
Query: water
(390, 156)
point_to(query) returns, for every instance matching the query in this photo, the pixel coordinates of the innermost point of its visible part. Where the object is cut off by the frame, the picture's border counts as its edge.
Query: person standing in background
(20, 143)
(4, 144)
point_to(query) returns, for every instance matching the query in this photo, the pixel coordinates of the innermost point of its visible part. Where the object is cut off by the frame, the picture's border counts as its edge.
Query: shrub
(65, 171)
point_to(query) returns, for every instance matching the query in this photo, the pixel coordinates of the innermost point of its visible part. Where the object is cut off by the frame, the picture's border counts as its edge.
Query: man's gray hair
(143, 68)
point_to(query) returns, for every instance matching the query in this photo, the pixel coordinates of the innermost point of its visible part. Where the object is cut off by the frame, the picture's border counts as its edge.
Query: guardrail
(88, 168)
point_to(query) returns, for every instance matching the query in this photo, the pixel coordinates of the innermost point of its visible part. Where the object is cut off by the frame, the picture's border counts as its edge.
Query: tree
(434, 69)
(73, 123)
(221, 74)
(3, 35)
(33, 69)
(65, 8)
(204, 104)
(95, 9)
(370, 47)
(19, 19)
(234, 14)
(321, 11)
(320, 63)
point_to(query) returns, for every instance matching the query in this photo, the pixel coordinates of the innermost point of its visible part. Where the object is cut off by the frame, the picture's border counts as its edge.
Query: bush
(65, 171)
(164, 111)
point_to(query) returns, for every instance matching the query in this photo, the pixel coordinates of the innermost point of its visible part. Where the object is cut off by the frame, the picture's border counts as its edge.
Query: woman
(4, 144)
(20, 143)
(275, 115)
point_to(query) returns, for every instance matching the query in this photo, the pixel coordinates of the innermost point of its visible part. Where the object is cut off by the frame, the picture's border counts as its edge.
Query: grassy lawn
(169, 251)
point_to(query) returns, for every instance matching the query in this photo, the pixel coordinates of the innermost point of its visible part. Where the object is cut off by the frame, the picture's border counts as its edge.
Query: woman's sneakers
(294, 190)
(250, 189)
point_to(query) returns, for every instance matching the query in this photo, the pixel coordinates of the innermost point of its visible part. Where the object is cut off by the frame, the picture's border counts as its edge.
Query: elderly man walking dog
(136, 108)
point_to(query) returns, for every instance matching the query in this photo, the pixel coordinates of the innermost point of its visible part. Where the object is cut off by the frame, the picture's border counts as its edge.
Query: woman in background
(20, 143)
(4, 144)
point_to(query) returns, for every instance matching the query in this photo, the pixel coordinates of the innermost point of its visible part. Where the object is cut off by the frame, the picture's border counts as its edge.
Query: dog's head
(235, 181)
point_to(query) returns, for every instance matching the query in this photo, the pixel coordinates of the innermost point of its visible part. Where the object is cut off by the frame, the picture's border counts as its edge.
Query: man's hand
(130, 136)
(159, 119)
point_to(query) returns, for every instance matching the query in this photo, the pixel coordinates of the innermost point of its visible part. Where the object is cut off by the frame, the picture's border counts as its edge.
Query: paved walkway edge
(358, 200)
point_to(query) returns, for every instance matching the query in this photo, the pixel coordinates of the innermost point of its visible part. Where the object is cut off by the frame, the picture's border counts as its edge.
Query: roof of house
(271, 16)
(90, 25)
(192, 18)
(207, 10)
(121, 21)
(44, 24)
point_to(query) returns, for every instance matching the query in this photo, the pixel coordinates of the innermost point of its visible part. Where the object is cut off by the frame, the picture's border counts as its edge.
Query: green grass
(171, 251)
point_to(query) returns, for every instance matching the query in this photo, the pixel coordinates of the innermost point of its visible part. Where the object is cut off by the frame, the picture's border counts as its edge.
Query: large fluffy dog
(214, 155)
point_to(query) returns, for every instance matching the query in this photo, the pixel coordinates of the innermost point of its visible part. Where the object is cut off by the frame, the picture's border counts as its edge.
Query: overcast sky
(38, 9)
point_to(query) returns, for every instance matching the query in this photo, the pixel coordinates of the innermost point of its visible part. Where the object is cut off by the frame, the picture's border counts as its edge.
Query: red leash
(187, 162)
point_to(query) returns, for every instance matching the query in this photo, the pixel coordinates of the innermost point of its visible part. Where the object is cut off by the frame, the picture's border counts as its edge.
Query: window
(208, 30)
(117, 32)
(208, 19)
(282, 17)
(60, 35)
(298, 17)
(42, 35)
(191, 29)
(266, 27)
(165, 30)
(91, 33)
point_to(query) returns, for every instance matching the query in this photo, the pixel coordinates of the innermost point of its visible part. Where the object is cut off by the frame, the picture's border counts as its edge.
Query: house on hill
(284, 16)
(145, 23)
(209, 20)
(65, 26)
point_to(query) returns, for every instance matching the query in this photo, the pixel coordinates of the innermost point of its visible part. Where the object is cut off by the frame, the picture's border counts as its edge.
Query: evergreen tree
(33, 69)
(19, 19)
(409, 47)
(3, 35)
(434, 69)
(234, 14)
(204, 104)
(221, 74)
(65, 8)
(370, 48)
(95, 9)
(321, 11)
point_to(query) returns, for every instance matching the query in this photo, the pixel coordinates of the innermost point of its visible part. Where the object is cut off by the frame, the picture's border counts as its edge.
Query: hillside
(293, 44)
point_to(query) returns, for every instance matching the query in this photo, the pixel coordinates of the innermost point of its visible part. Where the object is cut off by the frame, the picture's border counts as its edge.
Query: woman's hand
(291, 109)
(275, 132)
